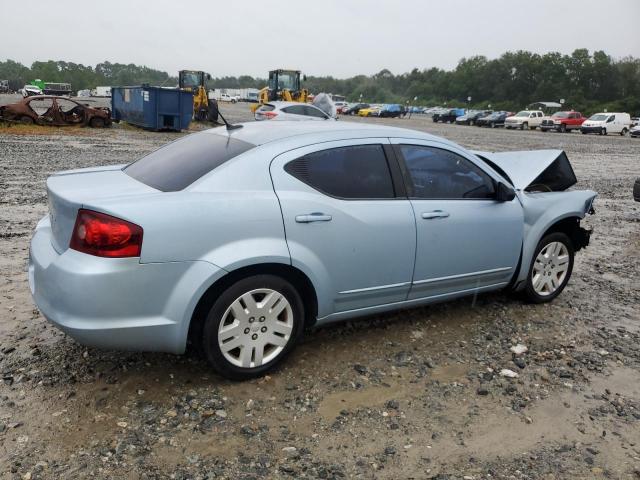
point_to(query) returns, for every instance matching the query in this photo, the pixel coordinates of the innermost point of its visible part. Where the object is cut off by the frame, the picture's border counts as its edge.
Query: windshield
(190, 79)
(286, 81)
(523, 113)
(560, 115)
(599, 117)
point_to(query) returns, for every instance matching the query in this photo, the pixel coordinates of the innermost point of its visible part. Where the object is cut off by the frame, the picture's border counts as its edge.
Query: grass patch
(11, 128)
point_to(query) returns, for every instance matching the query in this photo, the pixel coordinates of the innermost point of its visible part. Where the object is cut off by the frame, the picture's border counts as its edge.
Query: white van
(604, 123)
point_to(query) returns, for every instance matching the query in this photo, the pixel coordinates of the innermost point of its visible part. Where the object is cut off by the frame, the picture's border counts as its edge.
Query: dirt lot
(413, 394)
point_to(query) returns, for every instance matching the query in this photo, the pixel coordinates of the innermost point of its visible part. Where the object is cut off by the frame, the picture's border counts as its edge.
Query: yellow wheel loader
(195, 82)
(283, 85)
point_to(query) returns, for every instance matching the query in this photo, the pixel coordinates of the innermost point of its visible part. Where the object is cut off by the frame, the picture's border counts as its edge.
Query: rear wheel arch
(296, 277)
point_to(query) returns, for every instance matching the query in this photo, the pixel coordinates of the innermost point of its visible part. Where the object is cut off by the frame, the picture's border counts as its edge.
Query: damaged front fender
(553, 211)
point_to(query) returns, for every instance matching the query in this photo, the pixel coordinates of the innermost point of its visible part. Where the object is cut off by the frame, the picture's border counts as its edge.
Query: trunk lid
(70, 190)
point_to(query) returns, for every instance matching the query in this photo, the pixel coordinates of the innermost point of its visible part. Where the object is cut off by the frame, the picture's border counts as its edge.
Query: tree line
(586, 81)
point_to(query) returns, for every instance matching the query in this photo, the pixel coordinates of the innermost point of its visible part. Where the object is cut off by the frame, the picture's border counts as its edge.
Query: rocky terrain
(485, 387)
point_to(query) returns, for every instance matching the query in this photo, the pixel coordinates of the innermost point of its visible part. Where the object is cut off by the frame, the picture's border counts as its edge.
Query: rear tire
(244, 320)
(550, 268)
(623, 132)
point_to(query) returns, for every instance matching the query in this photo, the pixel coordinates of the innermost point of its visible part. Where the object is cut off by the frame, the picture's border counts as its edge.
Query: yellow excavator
(195, 81)
(283, 85)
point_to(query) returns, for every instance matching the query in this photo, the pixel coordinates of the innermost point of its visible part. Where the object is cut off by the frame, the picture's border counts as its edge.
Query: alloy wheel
(255, 328)
(550, 268)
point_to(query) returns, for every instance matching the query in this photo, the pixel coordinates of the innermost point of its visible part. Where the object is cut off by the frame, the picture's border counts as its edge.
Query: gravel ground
(413, 394)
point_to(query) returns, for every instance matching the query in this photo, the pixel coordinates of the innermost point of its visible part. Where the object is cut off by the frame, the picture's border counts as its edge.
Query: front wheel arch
(296, 277)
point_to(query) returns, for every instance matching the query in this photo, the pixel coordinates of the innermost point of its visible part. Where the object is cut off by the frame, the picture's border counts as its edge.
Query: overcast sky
(331, 37)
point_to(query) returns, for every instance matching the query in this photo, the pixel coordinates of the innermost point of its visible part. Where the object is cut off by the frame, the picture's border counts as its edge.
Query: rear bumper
(116, 303)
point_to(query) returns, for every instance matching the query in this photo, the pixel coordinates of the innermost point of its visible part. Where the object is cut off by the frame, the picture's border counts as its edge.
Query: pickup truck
(225, 97)
(525, 119)
(563, 122)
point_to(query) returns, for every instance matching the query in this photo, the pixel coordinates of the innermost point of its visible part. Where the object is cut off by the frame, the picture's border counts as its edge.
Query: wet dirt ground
(412, 394)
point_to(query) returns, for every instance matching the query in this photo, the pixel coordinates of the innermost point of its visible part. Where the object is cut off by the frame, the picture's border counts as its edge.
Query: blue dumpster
(154, 108)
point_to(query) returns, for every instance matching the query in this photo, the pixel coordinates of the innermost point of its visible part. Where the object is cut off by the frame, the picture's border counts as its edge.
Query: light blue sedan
(237, 240)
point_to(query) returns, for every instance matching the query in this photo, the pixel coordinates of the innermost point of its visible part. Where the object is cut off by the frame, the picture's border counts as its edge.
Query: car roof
(282, 104)
(260, 133)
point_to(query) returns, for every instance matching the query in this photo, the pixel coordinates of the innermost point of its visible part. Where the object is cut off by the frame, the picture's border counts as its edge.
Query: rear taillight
(102, 235)
(269, 115)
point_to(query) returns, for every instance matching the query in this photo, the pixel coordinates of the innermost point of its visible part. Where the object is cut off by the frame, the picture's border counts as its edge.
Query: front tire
(253, 326)
(550, 269)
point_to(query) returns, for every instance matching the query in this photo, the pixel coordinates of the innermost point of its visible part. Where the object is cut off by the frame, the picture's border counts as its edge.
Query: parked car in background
(635, 121)
(340, 105)
(634, 132)
(354, 108)
(605, 123)
(448, 116)
(563, 122)
(493, 120)
(393, 110)
(305, 224)
(371, 111)
(524, 119)
(472, 116)
(4, 86)
(30, 91)
(292, 111)
(59, 111)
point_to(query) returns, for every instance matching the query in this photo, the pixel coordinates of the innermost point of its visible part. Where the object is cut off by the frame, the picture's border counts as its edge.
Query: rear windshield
(179, 164)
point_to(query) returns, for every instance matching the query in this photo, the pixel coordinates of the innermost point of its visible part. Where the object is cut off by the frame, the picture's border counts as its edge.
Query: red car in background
(563, 122)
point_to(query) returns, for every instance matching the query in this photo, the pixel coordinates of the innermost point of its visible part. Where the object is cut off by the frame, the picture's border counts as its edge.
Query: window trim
(397, 147)
(385, 152)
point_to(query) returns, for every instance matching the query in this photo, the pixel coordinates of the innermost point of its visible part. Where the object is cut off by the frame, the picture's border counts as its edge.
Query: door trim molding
(371, 289)
(463, 275)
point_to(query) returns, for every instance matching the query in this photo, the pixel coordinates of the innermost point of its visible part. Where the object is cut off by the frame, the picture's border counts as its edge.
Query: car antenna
(230, 126)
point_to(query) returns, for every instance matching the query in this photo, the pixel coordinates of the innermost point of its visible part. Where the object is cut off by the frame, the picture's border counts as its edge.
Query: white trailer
(101, 92)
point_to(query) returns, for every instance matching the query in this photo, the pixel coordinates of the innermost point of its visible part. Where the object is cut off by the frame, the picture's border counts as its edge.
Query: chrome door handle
(313, 217)
(435, 214)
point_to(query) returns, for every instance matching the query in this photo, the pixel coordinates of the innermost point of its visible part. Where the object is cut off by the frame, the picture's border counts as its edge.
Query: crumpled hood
(525, 167)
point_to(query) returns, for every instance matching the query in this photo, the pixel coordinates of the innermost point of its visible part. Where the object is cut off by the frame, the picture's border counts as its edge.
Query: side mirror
(504, 193)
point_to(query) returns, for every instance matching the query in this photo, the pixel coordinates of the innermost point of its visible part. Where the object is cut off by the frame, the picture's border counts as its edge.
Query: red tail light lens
(102, 235)
(269, 115)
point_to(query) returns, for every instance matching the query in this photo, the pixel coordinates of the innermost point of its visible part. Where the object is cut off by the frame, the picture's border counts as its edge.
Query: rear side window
(436, 173)
(295, 110)
(356, 172)
(179, 164)
(314, 112)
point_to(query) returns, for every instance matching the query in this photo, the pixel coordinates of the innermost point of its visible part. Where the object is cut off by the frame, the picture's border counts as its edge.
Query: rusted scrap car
(59, 111)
